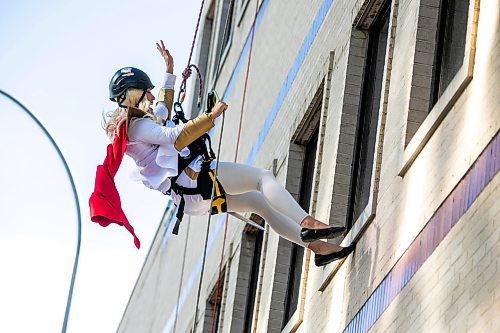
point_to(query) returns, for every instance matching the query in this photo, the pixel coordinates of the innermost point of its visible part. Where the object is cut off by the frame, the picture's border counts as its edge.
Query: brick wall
(456, 289)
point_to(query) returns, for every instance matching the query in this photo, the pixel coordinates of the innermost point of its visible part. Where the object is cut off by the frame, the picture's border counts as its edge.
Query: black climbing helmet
(125, 78)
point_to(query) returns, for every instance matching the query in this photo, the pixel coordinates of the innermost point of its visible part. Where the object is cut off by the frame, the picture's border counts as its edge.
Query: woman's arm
(147, 131)
(194, 128)
(163, 107)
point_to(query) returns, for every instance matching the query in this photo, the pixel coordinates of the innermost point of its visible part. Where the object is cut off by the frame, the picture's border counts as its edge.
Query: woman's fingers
(222, 105)
(169, 61)
(162, 48)
(218, 109)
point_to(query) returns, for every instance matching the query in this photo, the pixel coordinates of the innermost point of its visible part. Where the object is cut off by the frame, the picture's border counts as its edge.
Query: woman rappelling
(174, 159)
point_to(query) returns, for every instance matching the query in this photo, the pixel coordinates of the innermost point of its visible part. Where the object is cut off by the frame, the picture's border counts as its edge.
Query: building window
(247, 276)
(450, 46)
(210, 317)
(297, 255)
(440, 53)
(445, 48)
(223, 42)
(367, 122)
(204, 51)
(290, 273)
(255, 239)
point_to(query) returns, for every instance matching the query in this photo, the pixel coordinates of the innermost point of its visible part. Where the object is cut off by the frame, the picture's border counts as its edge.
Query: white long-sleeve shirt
(151, 145)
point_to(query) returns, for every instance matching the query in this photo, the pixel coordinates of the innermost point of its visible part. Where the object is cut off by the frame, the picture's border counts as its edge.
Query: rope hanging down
(186, 73)
(235, 160)
(226, 25)
(180, 99)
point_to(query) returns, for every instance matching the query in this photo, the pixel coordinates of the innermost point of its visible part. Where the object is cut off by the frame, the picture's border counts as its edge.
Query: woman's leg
(255, 202)
(239, 178)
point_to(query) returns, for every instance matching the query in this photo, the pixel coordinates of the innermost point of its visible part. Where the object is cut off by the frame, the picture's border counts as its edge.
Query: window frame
(219, 39)
(367, 92)
(208, 20)
(449, 96)
(351, 104)
(243, 5)
(305, 198)
(301, 135)
(210, 302)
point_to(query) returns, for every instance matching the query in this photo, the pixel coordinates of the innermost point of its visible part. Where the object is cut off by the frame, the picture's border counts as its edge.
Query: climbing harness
(202, 146)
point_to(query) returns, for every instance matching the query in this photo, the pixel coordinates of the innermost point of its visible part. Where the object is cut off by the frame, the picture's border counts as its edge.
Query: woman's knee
(265, 176)
(246, 202)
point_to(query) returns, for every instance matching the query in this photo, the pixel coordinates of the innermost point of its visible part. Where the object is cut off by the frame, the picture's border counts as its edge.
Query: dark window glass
(229, 23)
(297, 256)
(205, 50)
(223, 41)
(210, 307)
(450, 48)
(252, 287)
(368, 115)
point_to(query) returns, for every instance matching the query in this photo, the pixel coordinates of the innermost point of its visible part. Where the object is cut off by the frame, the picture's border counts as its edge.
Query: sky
(56, 58)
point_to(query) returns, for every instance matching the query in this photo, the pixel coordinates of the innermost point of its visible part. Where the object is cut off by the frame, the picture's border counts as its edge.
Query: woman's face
(150, 98)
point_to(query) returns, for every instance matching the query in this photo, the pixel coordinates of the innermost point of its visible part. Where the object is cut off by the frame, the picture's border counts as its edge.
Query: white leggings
(253, 190)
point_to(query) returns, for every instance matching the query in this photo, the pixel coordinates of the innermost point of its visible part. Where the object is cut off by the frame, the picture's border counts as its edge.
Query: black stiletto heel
(308, 235)
(324, 259)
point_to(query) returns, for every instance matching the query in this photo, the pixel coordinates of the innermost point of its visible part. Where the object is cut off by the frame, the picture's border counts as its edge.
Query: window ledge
(354, 234)
(434, 119)
(293, 323)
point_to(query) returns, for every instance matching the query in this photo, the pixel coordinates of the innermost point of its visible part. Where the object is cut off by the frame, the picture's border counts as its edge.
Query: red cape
(105, 204)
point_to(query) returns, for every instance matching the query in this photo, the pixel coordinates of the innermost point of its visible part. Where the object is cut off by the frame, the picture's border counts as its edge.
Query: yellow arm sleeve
(166, 96)
(192, 130)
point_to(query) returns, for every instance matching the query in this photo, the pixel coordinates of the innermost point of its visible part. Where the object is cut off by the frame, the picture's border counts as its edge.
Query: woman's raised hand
(217, 110)
(169, 61)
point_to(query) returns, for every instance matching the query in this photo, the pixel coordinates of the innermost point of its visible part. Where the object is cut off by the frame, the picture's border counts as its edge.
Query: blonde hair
(116, 118)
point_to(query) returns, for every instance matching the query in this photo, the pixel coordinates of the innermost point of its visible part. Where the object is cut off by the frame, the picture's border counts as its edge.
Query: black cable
(229, 13)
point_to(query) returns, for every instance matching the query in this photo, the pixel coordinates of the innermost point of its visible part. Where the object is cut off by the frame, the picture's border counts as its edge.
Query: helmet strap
(140, 99)
(120, 99)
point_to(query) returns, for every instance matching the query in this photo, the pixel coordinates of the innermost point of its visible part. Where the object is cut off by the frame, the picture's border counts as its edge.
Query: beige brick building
(383, 116)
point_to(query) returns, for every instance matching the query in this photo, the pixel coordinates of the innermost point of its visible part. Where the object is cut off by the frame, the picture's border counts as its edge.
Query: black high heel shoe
(308, 235)
(324, 259)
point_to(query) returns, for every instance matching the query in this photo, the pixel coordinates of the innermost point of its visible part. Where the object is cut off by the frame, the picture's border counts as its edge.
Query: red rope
(195, 32)
(235, 159)
(187, 71)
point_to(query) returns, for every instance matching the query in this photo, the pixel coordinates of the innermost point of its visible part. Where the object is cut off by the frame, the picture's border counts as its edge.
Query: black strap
(196, 148)
(180, 215)
(181, 191)
(140, 99)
